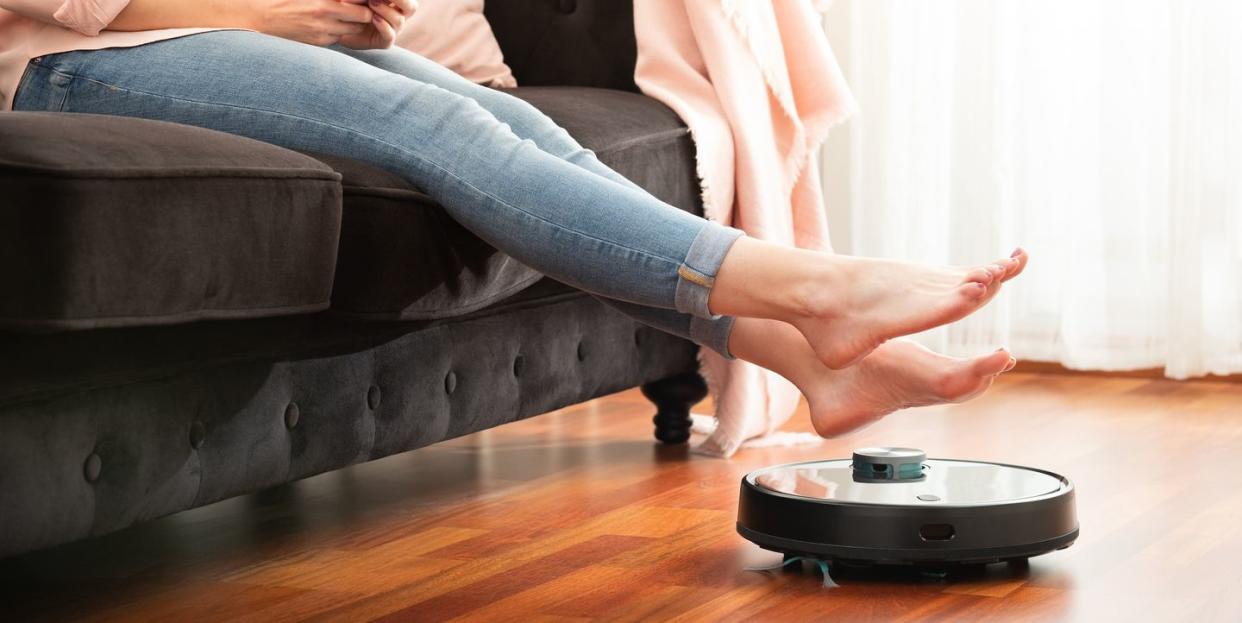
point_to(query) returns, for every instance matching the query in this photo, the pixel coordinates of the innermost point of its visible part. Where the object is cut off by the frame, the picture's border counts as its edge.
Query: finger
(323, 40)
(406, 7)
(386, 34)
(344, 29)
(389, 13)
(347, 12)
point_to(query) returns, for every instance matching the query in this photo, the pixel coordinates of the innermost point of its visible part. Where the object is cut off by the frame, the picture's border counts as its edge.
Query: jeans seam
(64, 90)
(382, 142)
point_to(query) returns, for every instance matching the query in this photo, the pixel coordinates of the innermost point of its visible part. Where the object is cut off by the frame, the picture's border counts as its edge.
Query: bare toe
(972, 377)
(979, 275)
(1017, 264)
(973, 290)
(980, 386)
(992, 363)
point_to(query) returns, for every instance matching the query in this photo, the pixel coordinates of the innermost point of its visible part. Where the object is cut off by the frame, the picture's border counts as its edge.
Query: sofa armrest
(567, 42)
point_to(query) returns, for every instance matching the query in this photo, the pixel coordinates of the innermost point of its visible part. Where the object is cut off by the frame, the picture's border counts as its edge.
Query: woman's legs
(896, 375)
(601, 236)
(524, 120)
(528, 123)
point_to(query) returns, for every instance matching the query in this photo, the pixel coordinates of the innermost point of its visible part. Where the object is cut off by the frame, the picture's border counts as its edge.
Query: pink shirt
(33, 28)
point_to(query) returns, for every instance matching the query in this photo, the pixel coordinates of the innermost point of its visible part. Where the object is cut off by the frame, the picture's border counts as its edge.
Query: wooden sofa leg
(673, 398)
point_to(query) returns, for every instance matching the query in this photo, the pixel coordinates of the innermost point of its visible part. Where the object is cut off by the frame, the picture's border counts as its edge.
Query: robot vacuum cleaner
(895, 506)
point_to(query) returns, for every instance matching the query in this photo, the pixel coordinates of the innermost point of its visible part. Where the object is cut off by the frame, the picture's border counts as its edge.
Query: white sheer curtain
(1103, 135)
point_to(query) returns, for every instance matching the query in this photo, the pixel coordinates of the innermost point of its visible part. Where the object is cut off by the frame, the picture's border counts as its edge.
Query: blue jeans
(498, 166)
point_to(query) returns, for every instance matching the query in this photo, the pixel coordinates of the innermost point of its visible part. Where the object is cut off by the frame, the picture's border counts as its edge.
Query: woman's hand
(319, 22)
(358, 24)
(387, 19)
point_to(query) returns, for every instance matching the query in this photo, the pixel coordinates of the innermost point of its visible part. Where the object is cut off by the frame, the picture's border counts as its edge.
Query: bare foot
(897, 375)
(861, 303)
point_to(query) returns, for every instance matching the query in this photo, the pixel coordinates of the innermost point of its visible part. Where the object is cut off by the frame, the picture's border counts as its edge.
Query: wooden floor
(578, 515)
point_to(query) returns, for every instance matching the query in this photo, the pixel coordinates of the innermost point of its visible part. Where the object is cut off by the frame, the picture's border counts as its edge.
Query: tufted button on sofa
(187, 316)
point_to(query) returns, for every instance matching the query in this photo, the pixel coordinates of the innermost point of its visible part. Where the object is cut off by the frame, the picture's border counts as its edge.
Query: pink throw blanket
(759, 88)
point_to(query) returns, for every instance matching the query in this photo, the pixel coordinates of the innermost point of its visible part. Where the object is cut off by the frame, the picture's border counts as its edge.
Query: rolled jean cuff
(697, 274)
(713, 333)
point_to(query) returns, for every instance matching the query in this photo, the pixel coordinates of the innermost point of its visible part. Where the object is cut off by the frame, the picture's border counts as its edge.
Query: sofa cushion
(402, 257)
(110, 222)
(633, 134)
(567, 42)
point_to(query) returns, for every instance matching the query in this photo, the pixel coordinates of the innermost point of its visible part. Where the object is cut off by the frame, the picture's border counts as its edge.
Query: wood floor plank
(579, 516)
(468, 598)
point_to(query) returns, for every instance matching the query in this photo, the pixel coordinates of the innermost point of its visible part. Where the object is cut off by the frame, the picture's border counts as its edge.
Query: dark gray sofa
(188, 316)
